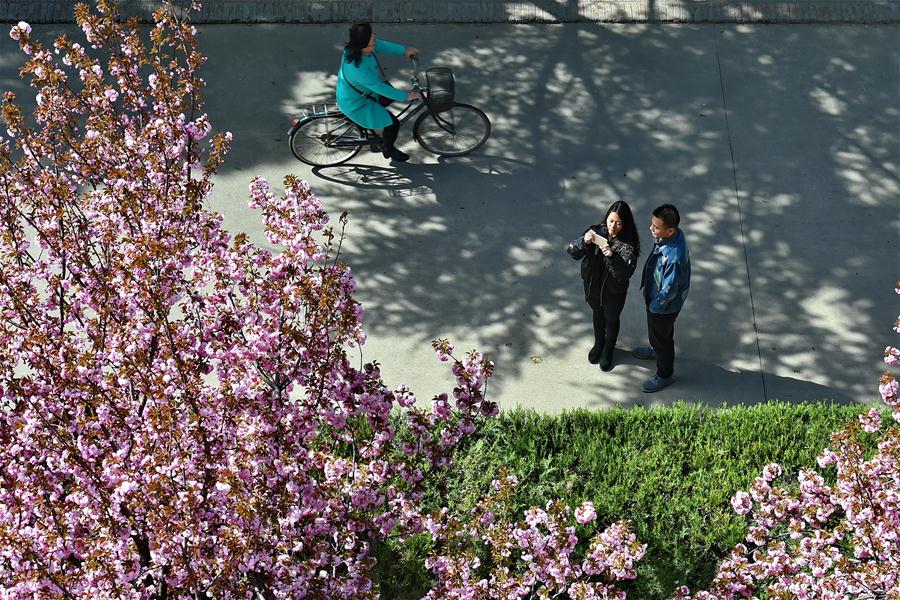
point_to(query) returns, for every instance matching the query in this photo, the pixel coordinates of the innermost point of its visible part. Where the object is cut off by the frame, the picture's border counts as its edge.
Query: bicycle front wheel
(314, 141)
(455, 132)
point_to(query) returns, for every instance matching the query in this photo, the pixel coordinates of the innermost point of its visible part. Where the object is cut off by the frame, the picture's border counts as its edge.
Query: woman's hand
(589, 236)
(414, 95)
(411, 53)
(606, 250)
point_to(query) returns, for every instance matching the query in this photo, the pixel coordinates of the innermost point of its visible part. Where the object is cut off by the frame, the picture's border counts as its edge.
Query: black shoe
(606, 361)
(396, 155)
(594, 354)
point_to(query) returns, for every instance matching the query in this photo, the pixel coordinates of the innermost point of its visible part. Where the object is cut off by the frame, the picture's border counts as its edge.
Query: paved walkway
(778, 143)
(490, 11)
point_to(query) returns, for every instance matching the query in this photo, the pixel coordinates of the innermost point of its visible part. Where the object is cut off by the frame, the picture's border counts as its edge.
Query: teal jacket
(666, 277)
(367, 78)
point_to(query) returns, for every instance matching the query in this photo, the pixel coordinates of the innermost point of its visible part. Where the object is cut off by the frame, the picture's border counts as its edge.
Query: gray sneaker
(656, 383)
(644, 353)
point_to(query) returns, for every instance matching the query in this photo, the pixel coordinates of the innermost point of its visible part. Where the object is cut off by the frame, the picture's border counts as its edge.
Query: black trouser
(606, 321)
(661, 331)
(389, 135)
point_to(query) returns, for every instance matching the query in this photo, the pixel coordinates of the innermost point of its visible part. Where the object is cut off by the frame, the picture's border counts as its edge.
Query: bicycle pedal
(376, 147)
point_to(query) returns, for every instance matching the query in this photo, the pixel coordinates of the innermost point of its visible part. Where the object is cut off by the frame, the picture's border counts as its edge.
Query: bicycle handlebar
(414, 80)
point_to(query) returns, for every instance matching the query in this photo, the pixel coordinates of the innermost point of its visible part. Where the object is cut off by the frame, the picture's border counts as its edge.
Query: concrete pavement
(778, 143)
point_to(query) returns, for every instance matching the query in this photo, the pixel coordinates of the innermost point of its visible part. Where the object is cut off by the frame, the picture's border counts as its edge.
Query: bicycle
(323, 136)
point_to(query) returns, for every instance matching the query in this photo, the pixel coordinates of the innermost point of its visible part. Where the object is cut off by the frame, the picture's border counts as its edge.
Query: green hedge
(672, 471)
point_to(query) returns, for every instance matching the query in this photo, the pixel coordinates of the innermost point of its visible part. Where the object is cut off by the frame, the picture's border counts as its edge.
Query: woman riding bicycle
(361, 85)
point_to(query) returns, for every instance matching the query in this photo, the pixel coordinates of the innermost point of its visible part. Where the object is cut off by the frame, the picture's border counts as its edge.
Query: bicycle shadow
(363, 176)
(404, 179)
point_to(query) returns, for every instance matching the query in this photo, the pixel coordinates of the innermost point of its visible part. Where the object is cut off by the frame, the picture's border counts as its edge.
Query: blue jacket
(666, 277)
(367, 78)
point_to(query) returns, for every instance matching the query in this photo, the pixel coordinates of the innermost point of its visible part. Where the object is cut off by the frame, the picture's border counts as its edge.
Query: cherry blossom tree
(540, 556)
(837, 533)
(179, 415)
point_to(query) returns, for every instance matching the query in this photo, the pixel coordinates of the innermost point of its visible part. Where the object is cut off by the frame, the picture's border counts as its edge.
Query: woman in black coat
(608, 253)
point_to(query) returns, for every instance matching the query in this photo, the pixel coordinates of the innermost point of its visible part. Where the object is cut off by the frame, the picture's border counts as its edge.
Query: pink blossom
(585, 513)
(826, 457)
(889, 390)
(18, 29)
(771, 471)
(741, 503)
(870, 421)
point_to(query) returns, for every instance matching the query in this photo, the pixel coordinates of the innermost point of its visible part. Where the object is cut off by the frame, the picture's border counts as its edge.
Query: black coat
(604, 276)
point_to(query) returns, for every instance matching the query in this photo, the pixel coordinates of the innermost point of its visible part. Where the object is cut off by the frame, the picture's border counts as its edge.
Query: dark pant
(661, 331)
(606, 321)
(389, 135)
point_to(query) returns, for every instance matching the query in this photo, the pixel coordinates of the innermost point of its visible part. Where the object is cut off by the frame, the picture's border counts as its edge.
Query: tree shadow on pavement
(440, 225)
(788, 197)
(587, 114)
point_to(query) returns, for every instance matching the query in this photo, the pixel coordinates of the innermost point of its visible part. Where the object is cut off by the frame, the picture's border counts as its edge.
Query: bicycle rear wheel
(455, 132)
(313, 141)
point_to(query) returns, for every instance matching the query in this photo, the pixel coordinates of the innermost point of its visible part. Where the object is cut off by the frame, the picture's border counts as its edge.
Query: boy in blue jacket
(665, 281)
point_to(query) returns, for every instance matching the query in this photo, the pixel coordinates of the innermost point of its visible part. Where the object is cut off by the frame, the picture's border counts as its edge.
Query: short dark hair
(359, 36)
(668, 214)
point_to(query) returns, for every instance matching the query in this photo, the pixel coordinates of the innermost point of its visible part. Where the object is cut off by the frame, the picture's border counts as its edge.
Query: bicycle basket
(440, 88)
